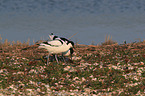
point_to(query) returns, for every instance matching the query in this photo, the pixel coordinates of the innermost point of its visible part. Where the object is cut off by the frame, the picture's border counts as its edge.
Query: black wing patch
(64, 39)
(55, 37)
(61, 41)
(53, 45)
(46, 43)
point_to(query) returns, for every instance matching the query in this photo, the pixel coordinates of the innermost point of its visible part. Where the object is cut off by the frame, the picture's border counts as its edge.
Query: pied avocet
(68, 52)
(56, 47)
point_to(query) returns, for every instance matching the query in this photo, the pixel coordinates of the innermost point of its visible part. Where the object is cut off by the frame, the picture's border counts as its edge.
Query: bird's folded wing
(54, 43)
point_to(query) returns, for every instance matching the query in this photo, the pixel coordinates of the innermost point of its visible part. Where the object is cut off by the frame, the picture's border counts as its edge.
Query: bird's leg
(56, 58)
(71, 56)
(48, 58)
(63, 58)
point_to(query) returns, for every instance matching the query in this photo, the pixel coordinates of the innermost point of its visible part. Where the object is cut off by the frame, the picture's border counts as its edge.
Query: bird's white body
(55, 46)
(66, 53)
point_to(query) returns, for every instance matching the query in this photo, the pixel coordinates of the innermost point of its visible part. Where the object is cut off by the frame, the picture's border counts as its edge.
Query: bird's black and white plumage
(68, 52)
(56, 46)
(54, 37)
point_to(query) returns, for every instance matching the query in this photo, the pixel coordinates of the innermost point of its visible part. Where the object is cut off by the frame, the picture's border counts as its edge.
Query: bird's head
(52, 37)
(71, 43)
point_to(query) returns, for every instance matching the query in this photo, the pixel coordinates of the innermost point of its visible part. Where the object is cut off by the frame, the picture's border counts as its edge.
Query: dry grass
(109, 41)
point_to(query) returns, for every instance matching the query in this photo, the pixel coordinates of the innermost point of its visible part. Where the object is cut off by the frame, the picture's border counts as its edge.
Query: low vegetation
(107, 69)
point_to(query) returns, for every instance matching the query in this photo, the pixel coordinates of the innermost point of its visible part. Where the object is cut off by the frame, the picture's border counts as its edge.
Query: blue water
(92, 20)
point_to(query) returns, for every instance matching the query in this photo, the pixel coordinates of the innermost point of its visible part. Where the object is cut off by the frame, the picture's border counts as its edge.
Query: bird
(68, 52)
(54, 37)
(55, 47)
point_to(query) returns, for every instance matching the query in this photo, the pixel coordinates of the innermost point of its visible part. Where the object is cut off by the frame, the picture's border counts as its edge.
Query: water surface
(92, 20)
